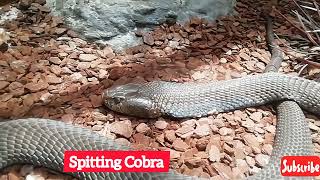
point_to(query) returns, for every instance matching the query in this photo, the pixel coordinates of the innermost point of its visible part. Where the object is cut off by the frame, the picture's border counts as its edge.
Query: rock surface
(114, 21)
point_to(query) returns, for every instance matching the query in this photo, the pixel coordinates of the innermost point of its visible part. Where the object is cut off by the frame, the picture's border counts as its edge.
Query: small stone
(190, 123)
(170, 136)
(98, 116)
(313, 127)
(194, 37)
(122, 141)
(251, 140)
(223, 170)
(184, 130)
(189, 153)
(37, 30)
(108, 52)
(26, 50)
(4, 47)
(256, 116)
(103, 74)
(83, 65)
(249, 124)
(214, 153)
(262, 159)
(46, 98)
(239, 153)
(142, 128)
(97, 127)
(16, 89)
(267, 149)
(72, 34)
(174, 154)
(202, 144)
(202, 155)
(260, 65)
(242, 164)
(95, 100)
(194, 63)
(34, 177)
(256, 150)
(223, 60)
(224, 131)
(62, 55)
(53, 79)
(3, 84)
(11, 176)
(74, 55)
(254, 170)
(56, 69)
(194, 162)
(244, 56)
(65, 70)
(269, 138)
(55, 60)
(122, 128)
(251, 162)
(148, 39)
(218, 122)
(271, 129)
(76, 77)
(205, 121)
(259, 130)
(180, 145)
(203, 130)
(173, 44)
(196, 172)
(141, 140)
(24, 38)
(35, 87)
(87, 57)
(108, 135)
(24, 4)
(60, 31)
(19, 66)
(68, 118)
(5, 97)
(160, 124)
(160, 139)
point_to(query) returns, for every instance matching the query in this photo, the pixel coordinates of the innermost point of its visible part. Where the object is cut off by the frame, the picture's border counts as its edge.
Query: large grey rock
(114, 21)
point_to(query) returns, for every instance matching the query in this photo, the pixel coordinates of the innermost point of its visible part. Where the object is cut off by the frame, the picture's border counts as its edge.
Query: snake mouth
(120, 93)
(106, 95)
(112, 100)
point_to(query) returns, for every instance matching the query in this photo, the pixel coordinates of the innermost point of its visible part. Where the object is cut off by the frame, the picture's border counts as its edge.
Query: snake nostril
(105, 95)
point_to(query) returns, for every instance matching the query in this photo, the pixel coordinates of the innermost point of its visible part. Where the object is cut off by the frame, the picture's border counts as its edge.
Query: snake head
(127, 99)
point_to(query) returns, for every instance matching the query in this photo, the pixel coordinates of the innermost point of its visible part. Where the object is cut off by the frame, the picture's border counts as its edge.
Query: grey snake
(42, 142)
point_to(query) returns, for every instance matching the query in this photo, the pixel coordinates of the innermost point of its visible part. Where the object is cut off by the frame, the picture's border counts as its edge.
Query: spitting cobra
(42, 142)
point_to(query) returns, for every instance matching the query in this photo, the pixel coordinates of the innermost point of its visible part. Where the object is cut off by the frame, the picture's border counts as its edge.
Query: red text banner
(300, 166)
(116, 161)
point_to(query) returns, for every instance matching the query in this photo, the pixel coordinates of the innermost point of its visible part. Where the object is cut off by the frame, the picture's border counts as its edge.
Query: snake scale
(42, 141)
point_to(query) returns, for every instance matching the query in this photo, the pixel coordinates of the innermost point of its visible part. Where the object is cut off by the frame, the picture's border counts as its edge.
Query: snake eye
(118, 100)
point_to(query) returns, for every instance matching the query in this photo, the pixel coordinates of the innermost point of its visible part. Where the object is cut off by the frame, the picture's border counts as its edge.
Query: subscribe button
(300, 166)
(116, 161)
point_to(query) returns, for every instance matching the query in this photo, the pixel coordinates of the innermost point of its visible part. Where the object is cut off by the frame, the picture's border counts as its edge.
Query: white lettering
(73, 162)
(131, 162)
(94, 162)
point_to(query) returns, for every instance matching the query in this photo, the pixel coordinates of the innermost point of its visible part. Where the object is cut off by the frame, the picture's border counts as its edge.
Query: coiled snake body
(42, 142)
